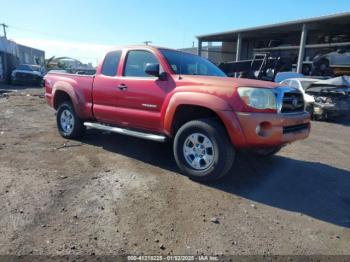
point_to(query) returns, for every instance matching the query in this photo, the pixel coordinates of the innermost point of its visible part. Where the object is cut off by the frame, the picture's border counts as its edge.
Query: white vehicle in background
(324, 99)
(301, 84)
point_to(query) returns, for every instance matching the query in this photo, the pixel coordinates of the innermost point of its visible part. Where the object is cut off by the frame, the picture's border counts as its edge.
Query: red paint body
(97, 98)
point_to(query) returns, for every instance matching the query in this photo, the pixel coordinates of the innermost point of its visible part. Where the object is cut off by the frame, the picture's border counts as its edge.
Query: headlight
(258, 98)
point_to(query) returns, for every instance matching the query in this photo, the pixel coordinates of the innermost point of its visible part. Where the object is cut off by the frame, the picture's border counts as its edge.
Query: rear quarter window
(110, 64)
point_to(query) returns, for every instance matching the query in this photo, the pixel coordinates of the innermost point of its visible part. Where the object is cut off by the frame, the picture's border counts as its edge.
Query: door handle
(122, 87)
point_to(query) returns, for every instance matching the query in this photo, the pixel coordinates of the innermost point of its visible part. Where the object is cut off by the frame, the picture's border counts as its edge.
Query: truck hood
(222, 86)
(222, 82)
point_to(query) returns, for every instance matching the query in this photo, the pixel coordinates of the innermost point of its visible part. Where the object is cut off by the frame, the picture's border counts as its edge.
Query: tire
(213, 160)
(267, 152)
(68, 123)
(306, 69)
(13, 82)
(323, 65)
(310, 108)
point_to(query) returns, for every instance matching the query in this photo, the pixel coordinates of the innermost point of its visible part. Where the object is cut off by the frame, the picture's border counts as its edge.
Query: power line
(40, 32)
(71, 37)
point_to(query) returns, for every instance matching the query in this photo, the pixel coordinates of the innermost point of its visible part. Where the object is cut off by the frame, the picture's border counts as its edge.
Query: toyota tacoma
(167, 95)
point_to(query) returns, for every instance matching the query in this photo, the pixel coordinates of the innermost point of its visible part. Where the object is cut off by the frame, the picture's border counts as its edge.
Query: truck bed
(82, 86)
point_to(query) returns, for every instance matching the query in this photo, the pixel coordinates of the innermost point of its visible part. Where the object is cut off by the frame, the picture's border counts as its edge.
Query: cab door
(143, 95)
(106, 90)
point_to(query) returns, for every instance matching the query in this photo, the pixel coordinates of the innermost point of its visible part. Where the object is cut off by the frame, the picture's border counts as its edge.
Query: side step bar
(158, 138)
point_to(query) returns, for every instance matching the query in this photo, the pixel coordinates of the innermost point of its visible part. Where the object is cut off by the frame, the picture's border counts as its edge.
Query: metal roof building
(302, 38)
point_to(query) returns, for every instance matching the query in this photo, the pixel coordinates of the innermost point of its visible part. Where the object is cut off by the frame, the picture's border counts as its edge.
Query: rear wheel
(203, 150)
(68, 123)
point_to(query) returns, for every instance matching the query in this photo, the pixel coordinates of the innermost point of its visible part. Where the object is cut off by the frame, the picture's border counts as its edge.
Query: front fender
(212, 102)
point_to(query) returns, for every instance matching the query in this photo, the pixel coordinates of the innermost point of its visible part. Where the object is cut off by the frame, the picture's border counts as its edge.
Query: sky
(87, 29)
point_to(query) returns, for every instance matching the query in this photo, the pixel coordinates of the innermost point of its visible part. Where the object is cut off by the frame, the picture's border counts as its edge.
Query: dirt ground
(111, 194)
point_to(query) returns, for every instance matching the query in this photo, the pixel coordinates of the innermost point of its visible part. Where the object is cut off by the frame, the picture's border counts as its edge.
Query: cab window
(110, 64)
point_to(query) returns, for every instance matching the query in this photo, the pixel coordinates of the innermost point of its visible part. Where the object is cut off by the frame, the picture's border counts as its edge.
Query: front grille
(24, 76)
(292, 102)
(296, 128)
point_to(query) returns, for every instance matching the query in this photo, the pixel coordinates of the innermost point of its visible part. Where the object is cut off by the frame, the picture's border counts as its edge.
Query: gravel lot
(112, 194)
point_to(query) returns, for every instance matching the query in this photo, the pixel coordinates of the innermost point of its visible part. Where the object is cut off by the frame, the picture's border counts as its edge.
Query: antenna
(4, 26)
(147, 42)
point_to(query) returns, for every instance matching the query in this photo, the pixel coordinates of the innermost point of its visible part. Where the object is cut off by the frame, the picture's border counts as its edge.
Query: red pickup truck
(167, 95)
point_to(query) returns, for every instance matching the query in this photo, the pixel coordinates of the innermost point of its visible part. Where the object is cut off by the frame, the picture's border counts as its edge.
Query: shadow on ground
(345, 121)
(315, 189)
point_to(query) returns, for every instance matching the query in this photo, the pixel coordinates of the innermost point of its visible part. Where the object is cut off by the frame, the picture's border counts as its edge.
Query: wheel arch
(63, 92)
(211, 106)
(60, 97)
(187, 112)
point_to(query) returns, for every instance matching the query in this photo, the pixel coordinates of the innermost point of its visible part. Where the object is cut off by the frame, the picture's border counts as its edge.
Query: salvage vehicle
(167, 95)
(326, 63)
(263, 66)
(301, 84)
(326, 99)
(27, 74)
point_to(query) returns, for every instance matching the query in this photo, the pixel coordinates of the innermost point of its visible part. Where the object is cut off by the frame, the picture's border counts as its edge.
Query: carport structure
(300, 40)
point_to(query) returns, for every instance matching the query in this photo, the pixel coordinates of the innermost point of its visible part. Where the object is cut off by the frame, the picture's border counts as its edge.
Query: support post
(302, 49)
(199, 51)
(4, 26)
(238, 49)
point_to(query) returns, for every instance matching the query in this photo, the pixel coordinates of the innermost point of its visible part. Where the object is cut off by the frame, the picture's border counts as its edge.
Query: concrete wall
(28, 55)
(8, 63)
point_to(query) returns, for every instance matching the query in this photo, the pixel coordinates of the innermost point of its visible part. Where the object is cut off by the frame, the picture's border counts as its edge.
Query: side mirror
(341, 51)
(152, 69)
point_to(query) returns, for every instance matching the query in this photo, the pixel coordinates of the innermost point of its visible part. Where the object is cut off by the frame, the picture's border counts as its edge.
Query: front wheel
(203, 150)
(68, 123)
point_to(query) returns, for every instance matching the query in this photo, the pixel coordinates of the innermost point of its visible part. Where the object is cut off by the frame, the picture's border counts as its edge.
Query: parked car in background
(325, 99)
(301, 84)
(162, 94)
(323, 64)
(27, 74)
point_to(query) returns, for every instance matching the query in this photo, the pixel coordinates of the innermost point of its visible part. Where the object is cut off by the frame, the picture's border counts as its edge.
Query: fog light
(263, 129)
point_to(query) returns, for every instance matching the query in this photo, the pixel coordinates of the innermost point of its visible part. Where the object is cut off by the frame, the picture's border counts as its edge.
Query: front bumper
(265, 130)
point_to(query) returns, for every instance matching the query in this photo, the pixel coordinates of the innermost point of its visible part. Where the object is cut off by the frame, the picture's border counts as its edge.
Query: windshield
(187, 64)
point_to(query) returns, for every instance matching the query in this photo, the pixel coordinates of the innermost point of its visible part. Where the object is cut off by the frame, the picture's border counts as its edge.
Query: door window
(136, 62)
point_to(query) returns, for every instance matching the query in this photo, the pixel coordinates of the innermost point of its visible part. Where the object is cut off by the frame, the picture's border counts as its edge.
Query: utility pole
(147, 42)
(4, 26)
